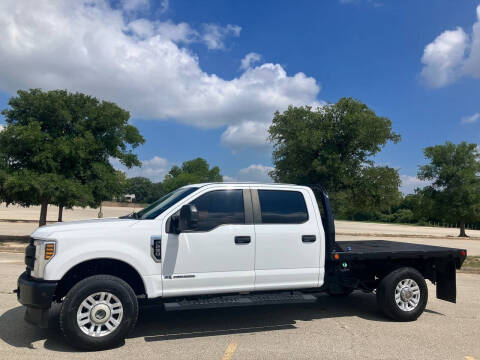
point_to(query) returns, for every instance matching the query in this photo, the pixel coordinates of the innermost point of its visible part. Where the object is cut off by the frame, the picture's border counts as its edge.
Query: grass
(472, 262)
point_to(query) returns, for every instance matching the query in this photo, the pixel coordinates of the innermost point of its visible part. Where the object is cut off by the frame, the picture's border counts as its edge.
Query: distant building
(129, 197)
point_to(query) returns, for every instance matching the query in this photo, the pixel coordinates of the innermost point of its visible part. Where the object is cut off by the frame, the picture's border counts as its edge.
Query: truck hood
(115, 224)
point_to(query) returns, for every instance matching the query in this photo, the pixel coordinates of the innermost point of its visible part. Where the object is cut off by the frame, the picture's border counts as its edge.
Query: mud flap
(37, 316)
(446, 281)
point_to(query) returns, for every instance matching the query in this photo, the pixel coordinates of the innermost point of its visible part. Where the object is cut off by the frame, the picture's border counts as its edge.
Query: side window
(282, 207)
(219, 207)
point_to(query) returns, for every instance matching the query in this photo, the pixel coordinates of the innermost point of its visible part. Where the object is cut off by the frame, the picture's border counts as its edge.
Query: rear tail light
(464, 253)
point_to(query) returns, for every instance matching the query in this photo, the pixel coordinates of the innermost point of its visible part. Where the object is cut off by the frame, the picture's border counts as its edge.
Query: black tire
(76, 296)
(386, 293)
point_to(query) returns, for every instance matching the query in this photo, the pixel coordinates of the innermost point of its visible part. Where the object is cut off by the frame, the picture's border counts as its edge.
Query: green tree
(191, 172)
(333, 146)
(56, 148)
(145, 191)
(454, 193)
(375, 189)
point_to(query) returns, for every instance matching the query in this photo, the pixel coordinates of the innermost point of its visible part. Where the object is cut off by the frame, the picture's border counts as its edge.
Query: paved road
(355, 227)
(16, 212)
(350, 328)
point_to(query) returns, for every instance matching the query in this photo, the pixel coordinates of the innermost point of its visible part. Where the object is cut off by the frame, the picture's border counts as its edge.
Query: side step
(240, 300)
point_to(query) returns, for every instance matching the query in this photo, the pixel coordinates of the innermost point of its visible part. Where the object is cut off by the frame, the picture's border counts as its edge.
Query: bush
(404, 216)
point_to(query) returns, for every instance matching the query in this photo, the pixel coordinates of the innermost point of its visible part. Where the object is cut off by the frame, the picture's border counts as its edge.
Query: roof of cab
(244, 183)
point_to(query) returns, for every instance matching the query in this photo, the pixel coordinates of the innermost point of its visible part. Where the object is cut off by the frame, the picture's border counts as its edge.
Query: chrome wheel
(407, 294)
(99, 314)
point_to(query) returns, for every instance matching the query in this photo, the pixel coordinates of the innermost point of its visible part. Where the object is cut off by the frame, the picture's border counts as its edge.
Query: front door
(218, 256)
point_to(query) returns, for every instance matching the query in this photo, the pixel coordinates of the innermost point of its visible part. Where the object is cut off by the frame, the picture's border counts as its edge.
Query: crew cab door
(288, 239)
(218, 255)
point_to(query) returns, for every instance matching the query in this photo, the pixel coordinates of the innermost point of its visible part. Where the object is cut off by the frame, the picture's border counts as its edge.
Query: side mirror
(188, 219)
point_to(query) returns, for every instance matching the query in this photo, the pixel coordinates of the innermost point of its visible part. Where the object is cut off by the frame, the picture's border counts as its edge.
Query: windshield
(166, 201)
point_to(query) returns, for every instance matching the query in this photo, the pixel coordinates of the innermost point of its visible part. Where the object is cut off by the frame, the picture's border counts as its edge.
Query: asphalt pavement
(349, 328)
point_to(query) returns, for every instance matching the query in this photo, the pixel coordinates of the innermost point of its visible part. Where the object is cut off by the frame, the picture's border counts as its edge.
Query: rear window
(282, 207)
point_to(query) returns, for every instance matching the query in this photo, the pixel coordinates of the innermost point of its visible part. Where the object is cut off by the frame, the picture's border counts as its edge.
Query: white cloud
(164, 5)
(133, 5)
(1, 127)
(443, 57)
(248, 134)
(249, 60)
(470, 119)
(254, 172)
(178, 32)
(451, 55)
(472, 63)
(155, 168)
(90, 47)
(410, 183)
(181, 32)
(214, 36)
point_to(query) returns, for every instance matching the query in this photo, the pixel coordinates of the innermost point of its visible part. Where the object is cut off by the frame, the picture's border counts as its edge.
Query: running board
(240, 300)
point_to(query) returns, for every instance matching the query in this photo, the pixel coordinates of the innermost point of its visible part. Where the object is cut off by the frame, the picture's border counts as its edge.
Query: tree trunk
(43, 213)
(462, 229)
(60, 213)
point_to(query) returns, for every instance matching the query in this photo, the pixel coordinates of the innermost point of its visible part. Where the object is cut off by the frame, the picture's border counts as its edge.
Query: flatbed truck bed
(389, 250)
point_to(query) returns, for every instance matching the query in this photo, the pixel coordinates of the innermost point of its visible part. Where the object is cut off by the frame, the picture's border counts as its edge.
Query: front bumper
(37, 297)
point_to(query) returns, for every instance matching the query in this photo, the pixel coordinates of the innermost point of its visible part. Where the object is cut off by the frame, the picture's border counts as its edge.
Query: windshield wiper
(132, 215)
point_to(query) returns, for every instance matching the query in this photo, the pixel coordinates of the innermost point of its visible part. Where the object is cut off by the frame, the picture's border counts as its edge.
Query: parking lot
(350, 328)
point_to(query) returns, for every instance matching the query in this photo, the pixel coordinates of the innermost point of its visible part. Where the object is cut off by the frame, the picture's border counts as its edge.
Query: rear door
(287, 241)
(217, 257)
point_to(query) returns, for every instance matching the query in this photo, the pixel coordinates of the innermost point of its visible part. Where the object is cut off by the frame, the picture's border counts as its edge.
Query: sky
(203, 78)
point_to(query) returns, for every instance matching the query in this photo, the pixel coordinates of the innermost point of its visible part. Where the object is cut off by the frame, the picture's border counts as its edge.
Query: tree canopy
(454, 173)
(56, 148)
(334, 146)
(144, 189)
(192, 171)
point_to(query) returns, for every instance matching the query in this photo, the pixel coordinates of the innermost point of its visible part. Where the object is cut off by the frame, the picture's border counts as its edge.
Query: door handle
(309, 238)
(242, 239)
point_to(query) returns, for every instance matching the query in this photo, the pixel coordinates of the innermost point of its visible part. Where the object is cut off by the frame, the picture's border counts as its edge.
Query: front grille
(30, 256)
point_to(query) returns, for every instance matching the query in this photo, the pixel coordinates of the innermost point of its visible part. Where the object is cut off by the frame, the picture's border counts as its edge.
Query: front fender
(71, 253)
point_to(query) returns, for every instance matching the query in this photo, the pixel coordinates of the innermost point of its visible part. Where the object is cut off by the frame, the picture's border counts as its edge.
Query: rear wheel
(403, 294)
(98, 312)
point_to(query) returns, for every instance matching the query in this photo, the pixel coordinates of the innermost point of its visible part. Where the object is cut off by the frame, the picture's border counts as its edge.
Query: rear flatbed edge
(384, 249)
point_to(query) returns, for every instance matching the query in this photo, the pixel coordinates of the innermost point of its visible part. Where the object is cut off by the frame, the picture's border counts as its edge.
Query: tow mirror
(188, 219)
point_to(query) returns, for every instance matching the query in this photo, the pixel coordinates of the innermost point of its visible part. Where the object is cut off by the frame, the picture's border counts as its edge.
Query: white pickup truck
(218, 245)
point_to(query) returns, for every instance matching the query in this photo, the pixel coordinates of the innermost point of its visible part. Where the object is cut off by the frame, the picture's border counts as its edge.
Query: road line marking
(469, 358)
(228, 354)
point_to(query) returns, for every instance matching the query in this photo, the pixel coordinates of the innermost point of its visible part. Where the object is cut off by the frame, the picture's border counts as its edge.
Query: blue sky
(203, 78)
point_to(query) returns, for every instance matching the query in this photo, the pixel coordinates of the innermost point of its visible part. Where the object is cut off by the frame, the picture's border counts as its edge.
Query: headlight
(44, 252)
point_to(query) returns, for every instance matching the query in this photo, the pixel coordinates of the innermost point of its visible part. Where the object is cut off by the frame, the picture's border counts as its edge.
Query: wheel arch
(101, 266)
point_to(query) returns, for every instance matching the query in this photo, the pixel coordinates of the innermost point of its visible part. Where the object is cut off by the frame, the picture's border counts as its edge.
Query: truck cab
(217, 244)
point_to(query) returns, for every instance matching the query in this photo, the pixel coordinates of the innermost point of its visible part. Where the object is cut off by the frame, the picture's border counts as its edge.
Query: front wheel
(403, 294)
(98, 312)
